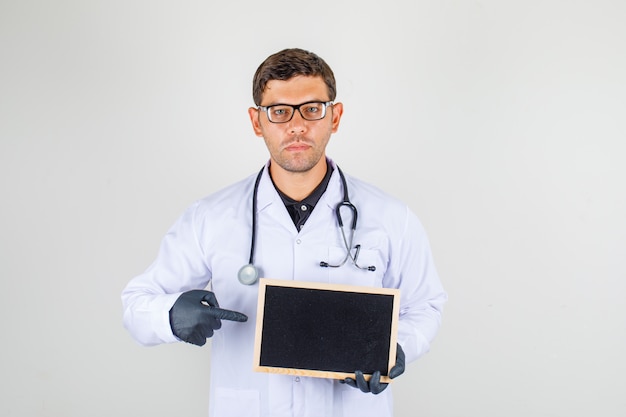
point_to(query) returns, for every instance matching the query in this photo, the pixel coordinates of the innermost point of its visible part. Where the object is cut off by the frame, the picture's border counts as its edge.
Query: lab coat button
(297, 379)
(298, 241)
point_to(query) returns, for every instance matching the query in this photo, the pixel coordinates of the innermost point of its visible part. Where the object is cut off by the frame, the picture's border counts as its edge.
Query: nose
(297, 124)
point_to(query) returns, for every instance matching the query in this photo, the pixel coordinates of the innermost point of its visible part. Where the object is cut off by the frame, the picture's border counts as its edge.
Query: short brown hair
(289, 63)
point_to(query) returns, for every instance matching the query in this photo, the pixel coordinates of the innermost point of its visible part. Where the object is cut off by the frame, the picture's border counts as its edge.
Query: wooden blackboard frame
(275, 341)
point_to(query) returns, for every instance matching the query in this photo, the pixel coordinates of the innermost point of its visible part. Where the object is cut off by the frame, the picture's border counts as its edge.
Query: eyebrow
(300, 104)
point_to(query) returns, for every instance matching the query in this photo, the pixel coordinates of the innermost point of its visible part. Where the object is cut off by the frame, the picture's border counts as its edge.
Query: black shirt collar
(299, 211)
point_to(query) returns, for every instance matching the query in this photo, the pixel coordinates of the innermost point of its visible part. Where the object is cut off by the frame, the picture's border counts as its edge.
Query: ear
(337, 110)
(254, 119)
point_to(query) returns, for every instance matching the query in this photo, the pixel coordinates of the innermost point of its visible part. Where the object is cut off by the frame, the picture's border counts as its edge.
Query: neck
(298, 185)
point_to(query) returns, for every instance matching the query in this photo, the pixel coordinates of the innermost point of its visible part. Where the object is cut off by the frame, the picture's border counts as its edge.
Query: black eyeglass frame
(296, 107)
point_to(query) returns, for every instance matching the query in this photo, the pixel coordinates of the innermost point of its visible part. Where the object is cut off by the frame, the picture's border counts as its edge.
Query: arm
(412, 269)
(179, 267)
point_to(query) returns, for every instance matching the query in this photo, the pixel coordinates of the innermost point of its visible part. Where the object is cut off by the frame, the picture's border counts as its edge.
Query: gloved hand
(374, 385)
(196, 314)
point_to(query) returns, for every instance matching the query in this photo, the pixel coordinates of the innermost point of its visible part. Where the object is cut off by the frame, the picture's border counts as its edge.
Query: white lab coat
(211, 241)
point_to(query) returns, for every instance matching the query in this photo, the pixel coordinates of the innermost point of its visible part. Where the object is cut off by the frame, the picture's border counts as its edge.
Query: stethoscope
(249, 274)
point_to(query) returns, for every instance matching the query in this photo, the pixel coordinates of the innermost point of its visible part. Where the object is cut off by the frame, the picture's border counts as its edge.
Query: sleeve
(422, 296)
(180, 266)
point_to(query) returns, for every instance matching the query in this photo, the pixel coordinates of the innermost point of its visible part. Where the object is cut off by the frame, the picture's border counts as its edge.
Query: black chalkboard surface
(325, 330)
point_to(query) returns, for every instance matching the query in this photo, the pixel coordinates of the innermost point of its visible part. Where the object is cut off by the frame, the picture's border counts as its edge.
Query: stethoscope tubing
(255, 191)
(248, 274)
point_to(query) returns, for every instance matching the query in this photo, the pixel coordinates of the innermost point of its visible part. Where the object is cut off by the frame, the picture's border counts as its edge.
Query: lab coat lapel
(334, 191)
(270, 207)
(323, 216)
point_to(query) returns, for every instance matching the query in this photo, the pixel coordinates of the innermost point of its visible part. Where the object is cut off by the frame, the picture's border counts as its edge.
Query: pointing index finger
(223, 314)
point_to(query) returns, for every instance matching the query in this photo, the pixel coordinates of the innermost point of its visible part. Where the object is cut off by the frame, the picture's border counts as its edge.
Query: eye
(312, 108)
(279, 111)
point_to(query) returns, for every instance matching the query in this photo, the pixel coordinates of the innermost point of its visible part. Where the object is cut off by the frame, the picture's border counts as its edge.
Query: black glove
(196, 314)
(375, 386)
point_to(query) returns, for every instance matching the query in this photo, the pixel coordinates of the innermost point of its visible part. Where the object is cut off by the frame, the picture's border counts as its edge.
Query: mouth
(297, 147)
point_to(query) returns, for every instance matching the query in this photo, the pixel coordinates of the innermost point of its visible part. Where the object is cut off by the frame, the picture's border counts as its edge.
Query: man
(295, 233)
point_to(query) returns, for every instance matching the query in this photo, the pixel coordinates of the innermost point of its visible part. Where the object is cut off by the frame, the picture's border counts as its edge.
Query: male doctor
(296, 232)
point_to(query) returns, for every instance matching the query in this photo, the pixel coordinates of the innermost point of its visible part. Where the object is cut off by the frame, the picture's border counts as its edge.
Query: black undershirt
(299, 211)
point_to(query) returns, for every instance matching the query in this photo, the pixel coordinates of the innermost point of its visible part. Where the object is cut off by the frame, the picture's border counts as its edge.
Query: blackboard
(325, 330)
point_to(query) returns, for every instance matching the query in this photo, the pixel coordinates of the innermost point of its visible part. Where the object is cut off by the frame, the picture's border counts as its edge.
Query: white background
(501, 123)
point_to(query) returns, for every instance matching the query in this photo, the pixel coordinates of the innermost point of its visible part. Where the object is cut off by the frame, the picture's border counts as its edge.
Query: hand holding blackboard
(196, 315)
(374, 385)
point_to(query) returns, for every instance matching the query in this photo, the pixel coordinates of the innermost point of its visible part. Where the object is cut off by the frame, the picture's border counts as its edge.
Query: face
(298, 145)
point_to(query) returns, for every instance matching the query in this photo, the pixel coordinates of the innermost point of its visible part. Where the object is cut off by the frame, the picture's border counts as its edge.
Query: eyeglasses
(282, 113)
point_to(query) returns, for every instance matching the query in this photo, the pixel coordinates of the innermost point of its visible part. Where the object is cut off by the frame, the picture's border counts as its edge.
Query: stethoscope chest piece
(248, 274)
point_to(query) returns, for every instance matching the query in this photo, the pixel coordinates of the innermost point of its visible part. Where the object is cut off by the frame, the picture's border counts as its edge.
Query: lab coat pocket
(236, 403)
(369, 272)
